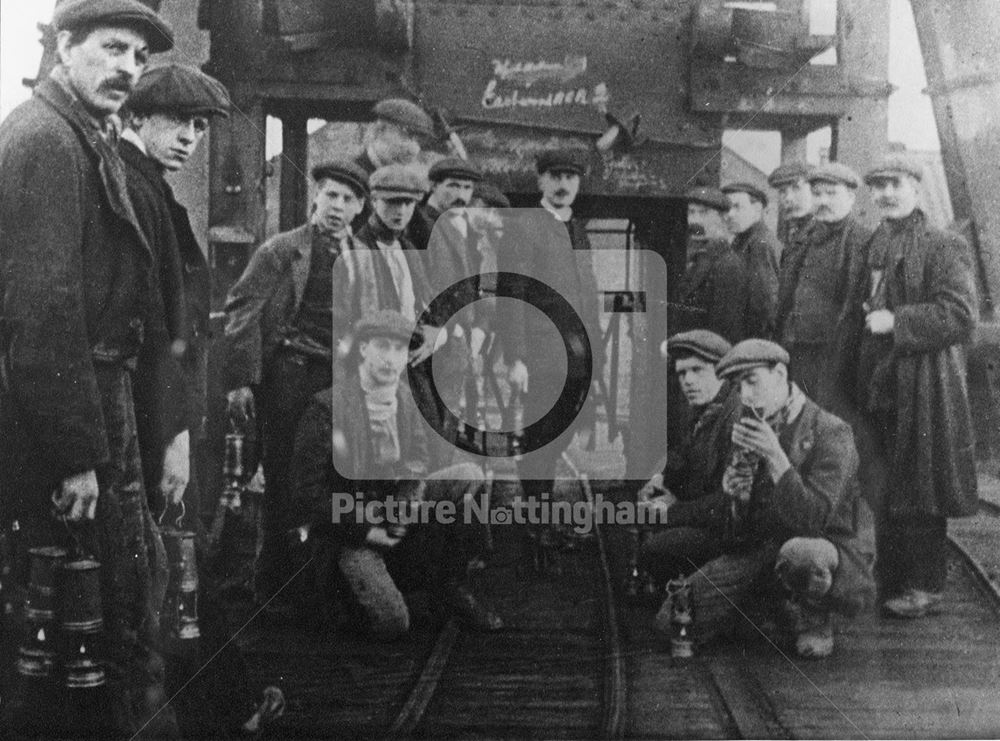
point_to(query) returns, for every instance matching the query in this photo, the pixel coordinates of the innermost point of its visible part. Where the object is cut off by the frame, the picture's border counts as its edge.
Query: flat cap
(384, 323)
(750, 354)
(562, 160)
(894, 166)
(181, 88)
(706, 345)
(405, 113)
(787, 172)
(835, 172)
(749, 188)
(74, 14)
(343, 171)
(707, 196)
(453, 167)
(490, 194)
(397, 181)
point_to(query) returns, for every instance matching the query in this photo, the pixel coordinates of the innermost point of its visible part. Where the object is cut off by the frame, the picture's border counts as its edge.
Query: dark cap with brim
(836, 173)
(894, 166)
(748, 355)
(707, 196)
(490, 194)
(384, 323)
(406, 114)
(453, 167)
(179, 88)
(397, 181)
(706, 345)
(749, 188)
(562, 160)
(75, 14)
(343, 171)
(787, 173)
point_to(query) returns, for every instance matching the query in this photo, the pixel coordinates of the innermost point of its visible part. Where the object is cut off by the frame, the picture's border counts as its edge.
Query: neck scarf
(382, 405)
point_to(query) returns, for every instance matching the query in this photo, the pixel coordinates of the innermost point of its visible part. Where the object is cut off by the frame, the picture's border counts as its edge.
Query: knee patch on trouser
(375, 593)
(805, 566)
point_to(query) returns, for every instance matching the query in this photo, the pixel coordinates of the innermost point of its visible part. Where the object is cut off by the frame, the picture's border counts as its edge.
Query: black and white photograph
(499, 369)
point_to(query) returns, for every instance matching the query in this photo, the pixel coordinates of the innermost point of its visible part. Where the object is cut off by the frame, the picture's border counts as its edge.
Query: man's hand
(881, 321)
(518, 376)
(758, 437)
(76, 497)
(176, 468)
(241, 405)
(434, 339)
(651, 488)
(378, 537)
(657, 509)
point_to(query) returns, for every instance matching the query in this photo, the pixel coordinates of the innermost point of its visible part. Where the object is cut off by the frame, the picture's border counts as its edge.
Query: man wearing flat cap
(912, 309)
(395, 135)
(75, 307)
(813, 284)
(369, 428)
(795, 204)
(717, 291)
(787, 512)
(754, 242)
(167, 116)
(442, 230)
(285, 319)
(561, 262)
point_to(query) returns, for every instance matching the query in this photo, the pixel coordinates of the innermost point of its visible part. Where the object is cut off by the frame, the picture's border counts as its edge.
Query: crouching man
(365, 435)
(787, 517)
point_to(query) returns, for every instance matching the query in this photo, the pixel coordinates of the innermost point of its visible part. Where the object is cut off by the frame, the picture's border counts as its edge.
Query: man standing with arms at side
(813, 285)
(167, 117)
(913, 309)
(75, 272)
(794, 199)
(283, 326)
(536, 351)
(754, 242)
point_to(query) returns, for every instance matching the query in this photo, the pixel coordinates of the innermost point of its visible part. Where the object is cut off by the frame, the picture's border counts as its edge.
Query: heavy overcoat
(177, 401)
(931, 290)
(74, 278)
(317, 470)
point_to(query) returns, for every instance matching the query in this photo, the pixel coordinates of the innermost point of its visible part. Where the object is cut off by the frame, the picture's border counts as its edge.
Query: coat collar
(702, 267)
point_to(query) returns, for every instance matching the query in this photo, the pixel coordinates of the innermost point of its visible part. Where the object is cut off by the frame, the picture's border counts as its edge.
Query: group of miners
(828, 436)
(822, 375)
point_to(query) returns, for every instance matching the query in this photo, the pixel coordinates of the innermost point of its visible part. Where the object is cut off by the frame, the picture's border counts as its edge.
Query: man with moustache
(785, 519)
(754, 242)
(285, 319)
(815, 271)
(75, 273)
(441, 228)
(715, 293)
(794, 199)
(912, 310)
(167, 117)
(557, 253)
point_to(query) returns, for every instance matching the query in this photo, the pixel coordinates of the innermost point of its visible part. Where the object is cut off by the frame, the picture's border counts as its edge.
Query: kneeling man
(365, 435)
(787, 512)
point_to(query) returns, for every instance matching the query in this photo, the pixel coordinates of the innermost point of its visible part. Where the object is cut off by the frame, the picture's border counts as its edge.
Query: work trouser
(731, 584)
(433, 555)
(446, 370)
(290, 380)
(537, 469)
(132, 702)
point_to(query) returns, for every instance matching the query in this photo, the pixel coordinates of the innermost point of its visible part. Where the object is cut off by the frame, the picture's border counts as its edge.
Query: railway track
(545, 677)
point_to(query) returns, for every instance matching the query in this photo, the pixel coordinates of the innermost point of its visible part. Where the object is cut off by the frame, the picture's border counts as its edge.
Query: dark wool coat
(930, 286)
(760, 249)
(316, 472)
(176, 401)
(716, 294)
(75, 272)
(265, 301)
(541, 251)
